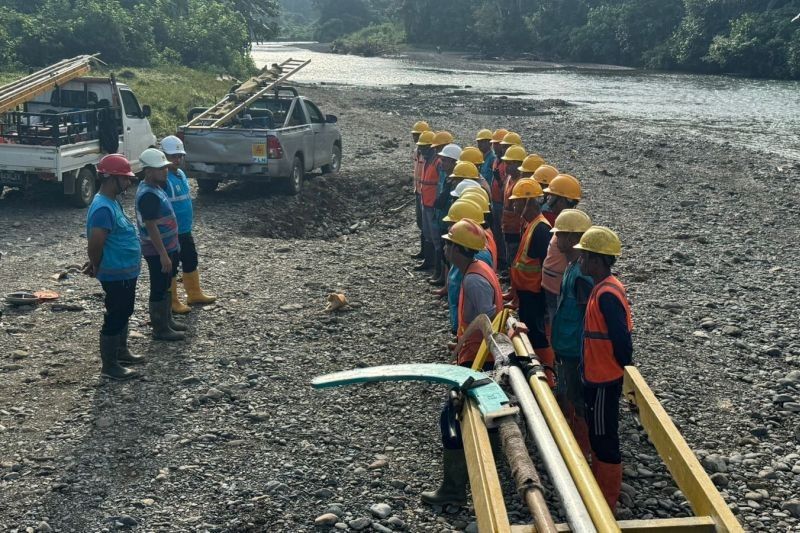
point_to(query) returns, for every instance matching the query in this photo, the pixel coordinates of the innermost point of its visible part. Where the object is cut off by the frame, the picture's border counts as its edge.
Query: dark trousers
(532, 311)
(418, 209)
(512, 241)
(188, 253)
(602, 416)
(120, 296)
(160, 282)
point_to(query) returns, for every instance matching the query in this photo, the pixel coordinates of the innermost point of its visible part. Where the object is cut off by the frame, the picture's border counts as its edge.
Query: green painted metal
(490, 397)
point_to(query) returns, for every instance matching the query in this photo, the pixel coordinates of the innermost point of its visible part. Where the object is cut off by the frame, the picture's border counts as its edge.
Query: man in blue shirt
(114, 259)
(180, 196)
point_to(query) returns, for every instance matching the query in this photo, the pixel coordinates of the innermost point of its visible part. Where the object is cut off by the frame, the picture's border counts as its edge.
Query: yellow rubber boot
(194, 294)
(178, 307)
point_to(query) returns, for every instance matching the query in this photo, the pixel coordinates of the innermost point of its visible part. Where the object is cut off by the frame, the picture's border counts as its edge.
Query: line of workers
(493, 213)
(161, 233)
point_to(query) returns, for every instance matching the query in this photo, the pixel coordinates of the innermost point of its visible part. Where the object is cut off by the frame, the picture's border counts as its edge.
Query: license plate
(259, 153)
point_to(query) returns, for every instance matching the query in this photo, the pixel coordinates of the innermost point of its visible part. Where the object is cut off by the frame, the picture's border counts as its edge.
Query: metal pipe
(578, 515)
(525, 475)
(587, 486)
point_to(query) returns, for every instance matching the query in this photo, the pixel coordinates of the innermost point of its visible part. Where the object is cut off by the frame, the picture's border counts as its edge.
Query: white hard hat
(453, 151)
(462, 186)
(153, 158)
(172, 145)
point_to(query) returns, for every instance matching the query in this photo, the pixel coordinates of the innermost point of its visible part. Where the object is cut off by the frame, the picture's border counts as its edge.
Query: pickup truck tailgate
(221, 145)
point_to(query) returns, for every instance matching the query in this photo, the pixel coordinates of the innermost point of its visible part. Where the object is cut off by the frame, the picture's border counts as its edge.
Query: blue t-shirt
(103, 218)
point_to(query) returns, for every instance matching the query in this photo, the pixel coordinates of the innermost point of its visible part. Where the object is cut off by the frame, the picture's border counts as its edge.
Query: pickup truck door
(322, 141)
(137, 134)
(298, 117)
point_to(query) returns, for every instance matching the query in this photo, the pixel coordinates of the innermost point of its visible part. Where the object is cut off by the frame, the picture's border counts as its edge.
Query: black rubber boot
(440, 273)
(428, 252)
(159, 317)
(111, 368)
(124, 355)
(453, 490)
(176, 326)
(421, 253)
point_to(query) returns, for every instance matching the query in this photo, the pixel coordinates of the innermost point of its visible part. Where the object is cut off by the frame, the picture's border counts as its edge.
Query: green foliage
(373, 40)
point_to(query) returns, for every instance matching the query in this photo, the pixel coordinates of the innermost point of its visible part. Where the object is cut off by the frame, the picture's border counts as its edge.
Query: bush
(378, 39)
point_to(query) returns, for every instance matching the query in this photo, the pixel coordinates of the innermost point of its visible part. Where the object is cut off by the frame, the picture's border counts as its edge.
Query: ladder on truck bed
(32, 85)
(248, 92)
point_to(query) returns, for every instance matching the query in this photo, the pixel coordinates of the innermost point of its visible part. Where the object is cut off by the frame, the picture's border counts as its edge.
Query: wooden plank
(487, 496)
(686, 470)
(692, 524)
(37, 86)
(483, 352)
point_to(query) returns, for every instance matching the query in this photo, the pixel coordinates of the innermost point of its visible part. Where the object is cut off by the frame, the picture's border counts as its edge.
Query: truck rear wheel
(85, 187)
(294, 183)
(207, 186)
(336, 161)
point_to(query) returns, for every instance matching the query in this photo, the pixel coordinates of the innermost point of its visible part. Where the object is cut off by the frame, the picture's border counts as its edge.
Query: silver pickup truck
(279, 137)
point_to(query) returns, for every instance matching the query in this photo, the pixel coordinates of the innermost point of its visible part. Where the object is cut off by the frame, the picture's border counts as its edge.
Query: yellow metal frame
(692, 524)
(43, 86)
(681, 462)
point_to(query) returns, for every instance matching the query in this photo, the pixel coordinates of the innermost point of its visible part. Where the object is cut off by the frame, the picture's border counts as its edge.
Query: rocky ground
(224, 433)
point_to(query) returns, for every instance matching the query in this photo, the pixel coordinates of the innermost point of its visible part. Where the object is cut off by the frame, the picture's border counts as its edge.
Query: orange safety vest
(497, 184)
(429, 183)
(419, 169)
(491, 245)
(553, 267)
(511, 222)
(469, 350)
(599, 364)
(526, 272)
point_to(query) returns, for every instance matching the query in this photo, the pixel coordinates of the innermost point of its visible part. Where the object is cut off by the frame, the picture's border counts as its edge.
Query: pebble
(720, 480)
(359, 523)
(327, 519)
(44, 527)
(792, 507)
(380, 463)
(323, 494)
(396, 523)
(214, 394)
(715, 463)
(732, 331)
(380, 510)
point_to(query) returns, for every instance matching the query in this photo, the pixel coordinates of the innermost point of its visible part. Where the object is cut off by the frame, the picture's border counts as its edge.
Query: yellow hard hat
(468, 234)
(465, 170)
(545, 174)
(498, 135)
(511, 138)
(600, 240)
(515, 153)
(472, 154)
(572, 221)
(484, 135)
(420, 126)
(526, 188)
(566, 186)
(425, 138)
(442, 138)
(464, 208)
(476, 196)
(531, 163)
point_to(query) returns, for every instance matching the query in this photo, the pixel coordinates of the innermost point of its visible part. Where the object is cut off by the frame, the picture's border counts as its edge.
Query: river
(761, 114)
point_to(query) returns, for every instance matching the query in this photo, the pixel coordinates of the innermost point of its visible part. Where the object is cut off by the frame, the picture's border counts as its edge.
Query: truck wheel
(294, 183)
(207, 186)
(85, 187)
(336, 161)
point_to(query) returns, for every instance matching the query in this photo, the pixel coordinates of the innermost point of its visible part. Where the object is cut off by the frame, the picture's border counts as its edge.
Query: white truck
(60, 134)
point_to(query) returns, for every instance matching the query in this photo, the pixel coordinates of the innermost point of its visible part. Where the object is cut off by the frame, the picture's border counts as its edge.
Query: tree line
(748, 37)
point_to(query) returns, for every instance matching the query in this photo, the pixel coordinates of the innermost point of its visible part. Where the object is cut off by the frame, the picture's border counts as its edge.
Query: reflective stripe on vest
(167, 223)
(469, 350)
(526, 272)
(122, 253)
(567, 333)
(554, 265)
(180, 197)
(429, 183)
(599, 364)
(454, 278)
(511, 221)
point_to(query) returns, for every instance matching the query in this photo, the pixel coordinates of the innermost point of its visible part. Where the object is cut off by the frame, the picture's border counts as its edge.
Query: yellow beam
(487, 496)
(686, 470)
(35, 90)
(692, 524)
(483, 351)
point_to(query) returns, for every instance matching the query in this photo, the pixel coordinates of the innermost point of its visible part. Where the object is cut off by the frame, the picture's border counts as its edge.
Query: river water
(762, 114)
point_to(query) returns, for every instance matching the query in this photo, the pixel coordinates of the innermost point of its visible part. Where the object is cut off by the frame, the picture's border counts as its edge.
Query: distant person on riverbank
(418, 162)
(158, 233)
(115, 258)
(607, 349)
(180, 196)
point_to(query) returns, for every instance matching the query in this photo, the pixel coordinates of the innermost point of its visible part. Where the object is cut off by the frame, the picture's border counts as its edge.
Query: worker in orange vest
(480, 294)
(526, 270)
(497, 187)
(418, 162)
(563, 192)
(607, 349)
(428, 187)
(511, 221)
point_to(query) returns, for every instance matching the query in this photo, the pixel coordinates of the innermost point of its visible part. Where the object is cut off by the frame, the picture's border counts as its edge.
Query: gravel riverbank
(225, 433)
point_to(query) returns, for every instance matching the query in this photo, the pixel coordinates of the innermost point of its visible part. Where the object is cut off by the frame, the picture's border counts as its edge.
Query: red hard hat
(115, 165)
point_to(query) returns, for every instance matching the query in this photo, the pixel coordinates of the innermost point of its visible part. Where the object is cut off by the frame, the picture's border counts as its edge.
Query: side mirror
(331, 119)
(146, 111)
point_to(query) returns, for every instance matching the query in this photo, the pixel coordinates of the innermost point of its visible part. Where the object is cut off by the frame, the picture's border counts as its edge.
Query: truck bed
(48, 159)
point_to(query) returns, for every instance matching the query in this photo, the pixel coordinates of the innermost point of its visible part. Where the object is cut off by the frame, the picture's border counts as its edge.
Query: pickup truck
(60, 135)
(279, 137)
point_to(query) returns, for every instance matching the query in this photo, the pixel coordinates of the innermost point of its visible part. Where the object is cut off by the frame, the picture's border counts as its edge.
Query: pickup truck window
(73, 99)
(316, 114)
(131, 105)
(298, 117)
